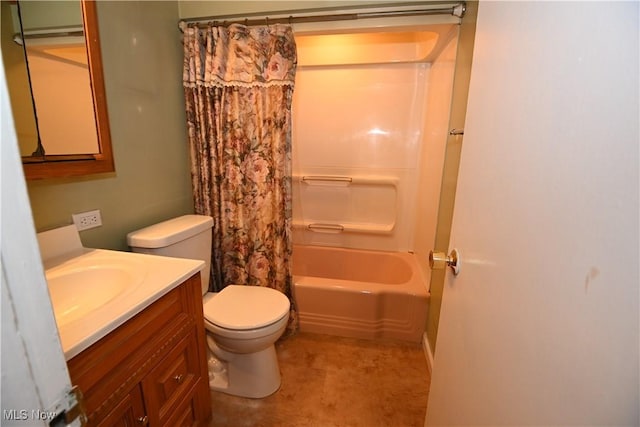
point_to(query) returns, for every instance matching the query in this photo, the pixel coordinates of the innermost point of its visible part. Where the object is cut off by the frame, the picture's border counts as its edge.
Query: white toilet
(242, 322)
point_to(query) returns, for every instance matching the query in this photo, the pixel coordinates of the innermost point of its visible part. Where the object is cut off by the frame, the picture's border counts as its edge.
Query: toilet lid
(246, 307)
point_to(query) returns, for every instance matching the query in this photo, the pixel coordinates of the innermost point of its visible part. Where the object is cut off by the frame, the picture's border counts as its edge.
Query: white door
(541, 326)
(35, 379)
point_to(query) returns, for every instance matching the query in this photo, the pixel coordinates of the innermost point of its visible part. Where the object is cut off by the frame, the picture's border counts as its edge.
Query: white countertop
(150, 277)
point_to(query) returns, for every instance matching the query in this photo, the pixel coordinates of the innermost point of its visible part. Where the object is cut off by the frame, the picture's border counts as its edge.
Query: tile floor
(331, 381)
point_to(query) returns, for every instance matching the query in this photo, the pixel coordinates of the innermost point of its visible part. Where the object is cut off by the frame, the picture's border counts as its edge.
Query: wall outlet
(87, 220)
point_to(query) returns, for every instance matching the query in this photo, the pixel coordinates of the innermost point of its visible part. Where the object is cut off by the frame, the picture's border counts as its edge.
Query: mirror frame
(53, 166)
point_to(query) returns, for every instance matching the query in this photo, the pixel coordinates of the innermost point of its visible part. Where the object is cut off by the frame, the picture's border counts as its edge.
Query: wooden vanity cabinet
(128, 412)
(152, 370)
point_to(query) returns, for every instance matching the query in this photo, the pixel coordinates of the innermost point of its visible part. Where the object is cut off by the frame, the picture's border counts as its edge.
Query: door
(35, 380)
(541, 325)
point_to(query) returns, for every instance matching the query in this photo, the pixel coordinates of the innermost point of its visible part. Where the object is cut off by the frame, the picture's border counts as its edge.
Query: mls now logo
(15, 414)
(23, 414)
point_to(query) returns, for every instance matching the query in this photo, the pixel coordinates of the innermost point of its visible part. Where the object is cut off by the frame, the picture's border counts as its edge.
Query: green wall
(142, 60)
(37, 15)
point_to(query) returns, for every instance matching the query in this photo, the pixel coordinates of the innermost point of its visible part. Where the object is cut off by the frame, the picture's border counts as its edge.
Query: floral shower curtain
(238, 84)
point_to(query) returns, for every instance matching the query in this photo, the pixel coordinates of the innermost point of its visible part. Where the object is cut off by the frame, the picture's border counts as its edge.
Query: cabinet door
(172, 381)
(129, 412)
(185, 416)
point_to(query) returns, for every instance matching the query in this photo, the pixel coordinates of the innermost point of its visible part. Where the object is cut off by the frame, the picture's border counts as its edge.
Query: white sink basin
(81, 287)
(94, 291)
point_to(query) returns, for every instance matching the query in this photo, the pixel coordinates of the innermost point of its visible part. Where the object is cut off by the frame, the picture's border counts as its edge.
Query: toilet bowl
(242, 323)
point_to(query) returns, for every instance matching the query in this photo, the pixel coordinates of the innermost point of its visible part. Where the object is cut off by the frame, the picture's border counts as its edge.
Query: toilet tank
(187, 236)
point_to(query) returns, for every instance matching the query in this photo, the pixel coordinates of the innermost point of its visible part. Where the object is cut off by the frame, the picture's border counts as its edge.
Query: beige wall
(142, 58)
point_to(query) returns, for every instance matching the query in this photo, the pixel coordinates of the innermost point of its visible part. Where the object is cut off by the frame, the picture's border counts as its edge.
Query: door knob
(439, 260)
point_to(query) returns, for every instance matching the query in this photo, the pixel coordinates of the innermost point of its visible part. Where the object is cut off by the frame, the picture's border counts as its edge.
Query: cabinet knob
(179, 378)
(143, 420)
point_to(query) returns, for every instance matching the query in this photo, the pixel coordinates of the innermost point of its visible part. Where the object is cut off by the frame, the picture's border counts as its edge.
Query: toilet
(242, 323)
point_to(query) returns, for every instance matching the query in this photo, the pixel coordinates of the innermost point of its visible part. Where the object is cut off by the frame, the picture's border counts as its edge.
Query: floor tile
(332, 381)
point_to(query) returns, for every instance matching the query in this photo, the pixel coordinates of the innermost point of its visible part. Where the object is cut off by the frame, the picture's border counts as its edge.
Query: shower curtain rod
(19, 38)
(457, 10)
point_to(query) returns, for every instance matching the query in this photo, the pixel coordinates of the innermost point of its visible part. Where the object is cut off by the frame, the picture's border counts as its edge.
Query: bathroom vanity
(131, 328)
(151, 370)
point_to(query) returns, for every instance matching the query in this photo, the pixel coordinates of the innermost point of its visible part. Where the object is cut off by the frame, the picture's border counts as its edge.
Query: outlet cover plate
(87, 220)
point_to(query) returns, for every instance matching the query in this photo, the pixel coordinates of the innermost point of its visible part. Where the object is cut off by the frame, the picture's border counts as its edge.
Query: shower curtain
(238, 83)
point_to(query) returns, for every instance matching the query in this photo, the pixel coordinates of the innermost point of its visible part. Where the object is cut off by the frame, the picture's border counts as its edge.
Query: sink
(80, 287)
(94, 291)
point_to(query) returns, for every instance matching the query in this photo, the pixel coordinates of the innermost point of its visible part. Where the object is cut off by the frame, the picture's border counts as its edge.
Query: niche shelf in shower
(346, 179)
(333, 228)
(334, 204)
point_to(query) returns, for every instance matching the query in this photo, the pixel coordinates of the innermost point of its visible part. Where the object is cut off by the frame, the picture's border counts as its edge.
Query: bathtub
(359, 293)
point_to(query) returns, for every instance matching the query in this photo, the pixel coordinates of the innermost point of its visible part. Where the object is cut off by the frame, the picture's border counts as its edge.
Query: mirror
(51, 52)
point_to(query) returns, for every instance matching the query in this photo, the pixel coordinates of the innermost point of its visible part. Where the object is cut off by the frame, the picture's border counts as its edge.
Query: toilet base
(253, 375)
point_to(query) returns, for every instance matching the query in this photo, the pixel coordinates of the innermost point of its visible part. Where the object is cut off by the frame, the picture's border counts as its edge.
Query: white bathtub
(358, 293)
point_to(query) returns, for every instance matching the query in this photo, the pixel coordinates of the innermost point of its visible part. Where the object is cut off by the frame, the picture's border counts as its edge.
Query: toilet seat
(244, 308)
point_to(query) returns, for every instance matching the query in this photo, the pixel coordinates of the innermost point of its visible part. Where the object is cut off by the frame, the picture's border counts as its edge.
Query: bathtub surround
(238, 103)
(371, 115)
(362, 122)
